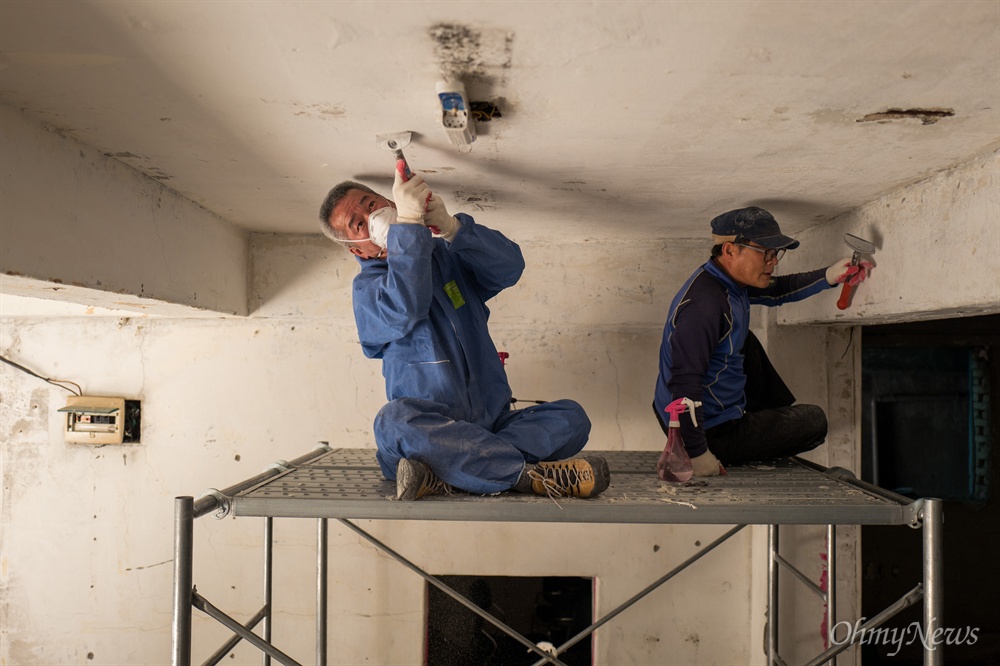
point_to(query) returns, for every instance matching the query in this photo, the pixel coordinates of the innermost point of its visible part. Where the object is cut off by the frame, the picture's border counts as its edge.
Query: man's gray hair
(326, 210)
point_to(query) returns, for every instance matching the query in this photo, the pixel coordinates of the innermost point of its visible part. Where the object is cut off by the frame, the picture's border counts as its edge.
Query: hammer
(860, 246)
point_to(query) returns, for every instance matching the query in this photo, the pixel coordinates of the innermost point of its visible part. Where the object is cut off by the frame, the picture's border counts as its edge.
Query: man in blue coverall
(710, 355)
(420, 306)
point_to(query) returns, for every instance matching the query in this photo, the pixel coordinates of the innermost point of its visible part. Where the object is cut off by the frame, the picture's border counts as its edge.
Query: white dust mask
(378, 225)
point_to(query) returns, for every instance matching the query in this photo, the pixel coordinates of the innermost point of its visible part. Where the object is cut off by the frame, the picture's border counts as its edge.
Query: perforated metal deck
(347, 483)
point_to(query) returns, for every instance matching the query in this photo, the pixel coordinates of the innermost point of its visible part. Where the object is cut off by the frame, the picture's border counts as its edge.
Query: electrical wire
(54, 382)
(484, 112)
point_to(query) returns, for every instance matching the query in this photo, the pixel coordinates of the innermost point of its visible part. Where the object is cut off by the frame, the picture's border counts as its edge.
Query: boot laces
(561, 480)
(432, 485)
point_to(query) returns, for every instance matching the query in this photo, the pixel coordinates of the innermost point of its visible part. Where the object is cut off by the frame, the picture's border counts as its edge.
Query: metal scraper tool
(860, 246)
(396, 142)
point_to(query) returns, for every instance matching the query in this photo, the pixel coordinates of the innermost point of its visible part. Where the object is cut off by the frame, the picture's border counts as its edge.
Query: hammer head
(394, 141)
(859, 245)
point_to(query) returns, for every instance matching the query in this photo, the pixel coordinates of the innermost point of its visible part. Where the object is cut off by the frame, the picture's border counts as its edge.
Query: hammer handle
(403, 167)
(845, 297)
(844, 301)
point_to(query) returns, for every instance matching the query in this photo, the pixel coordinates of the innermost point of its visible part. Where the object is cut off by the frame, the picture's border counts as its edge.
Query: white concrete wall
(77, 225)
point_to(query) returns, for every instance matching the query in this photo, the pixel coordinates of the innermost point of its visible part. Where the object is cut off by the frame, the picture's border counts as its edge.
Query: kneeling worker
(708, 353)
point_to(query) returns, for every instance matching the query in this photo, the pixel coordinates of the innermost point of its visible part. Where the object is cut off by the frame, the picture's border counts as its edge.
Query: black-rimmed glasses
(769, 253)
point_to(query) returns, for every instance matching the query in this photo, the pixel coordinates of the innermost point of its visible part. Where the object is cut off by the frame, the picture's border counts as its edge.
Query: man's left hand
(438, 219)
(707, 465)
(844, 272)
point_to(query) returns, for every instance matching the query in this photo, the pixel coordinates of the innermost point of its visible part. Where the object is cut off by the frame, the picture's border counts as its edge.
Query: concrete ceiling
(626, 120)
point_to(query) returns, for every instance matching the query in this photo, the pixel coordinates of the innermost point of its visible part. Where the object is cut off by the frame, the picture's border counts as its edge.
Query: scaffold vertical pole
(183, 567)
(831, 584)
(268, 585)
(321, 583)
(933, 519)
(772, 594)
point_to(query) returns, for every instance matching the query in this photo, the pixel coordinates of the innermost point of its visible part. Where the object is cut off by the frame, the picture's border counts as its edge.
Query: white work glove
(438, 219)
(410, 196)
(706, 465)
(843, 272)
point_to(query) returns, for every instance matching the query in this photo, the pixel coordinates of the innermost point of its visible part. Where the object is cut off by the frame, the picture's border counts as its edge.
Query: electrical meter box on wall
(94, 420)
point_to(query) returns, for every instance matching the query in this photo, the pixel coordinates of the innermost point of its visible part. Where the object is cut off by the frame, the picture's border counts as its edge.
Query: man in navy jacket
(709, 355)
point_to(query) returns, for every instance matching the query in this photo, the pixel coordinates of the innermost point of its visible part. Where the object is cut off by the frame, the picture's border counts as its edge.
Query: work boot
(415, 480)
(577, 477)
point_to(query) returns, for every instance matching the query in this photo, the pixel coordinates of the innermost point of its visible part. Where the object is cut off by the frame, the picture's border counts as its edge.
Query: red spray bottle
(674, 463)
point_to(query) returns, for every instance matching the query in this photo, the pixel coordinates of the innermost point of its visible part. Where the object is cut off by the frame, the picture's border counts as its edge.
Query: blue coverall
(423, 312)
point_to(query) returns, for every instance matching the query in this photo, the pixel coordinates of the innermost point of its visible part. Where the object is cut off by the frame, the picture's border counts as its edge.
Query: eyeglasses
(769, 253)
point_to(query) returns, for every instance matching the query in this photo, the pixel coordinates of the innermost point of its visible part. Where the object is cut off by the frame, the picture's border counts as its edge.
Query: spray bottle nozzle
(679, 406)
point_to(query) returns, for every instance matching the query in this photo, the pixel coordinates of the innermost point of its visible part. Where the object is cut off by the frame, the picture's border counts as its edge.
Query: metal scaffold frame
(345, 484)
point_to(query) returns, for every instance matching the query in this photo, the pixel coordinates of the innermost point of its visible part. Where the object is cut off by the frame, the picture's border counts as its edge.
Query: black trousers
(772, 426)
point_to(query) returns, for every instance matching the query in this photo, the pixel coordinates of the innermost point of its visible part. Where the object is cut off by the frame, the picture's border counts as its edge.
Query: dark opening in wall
(133, 422)
(926, 420)
(549, 609)
(930, 426)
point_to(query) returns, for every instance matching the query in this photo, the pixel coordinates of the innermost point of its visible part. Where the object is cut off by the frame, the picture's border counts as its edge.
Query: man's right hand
(845, 272)
(411, 197)
(706, 464)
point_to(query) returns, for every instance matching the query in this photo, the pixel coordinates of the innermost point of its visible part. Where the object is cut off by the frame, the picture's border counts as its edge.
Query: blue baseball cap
(751, 224)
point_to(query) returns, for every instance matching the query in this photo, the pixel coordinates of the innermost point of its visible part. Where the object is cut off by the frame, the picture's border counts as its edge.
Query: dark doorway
(551, 609)
(930, 423)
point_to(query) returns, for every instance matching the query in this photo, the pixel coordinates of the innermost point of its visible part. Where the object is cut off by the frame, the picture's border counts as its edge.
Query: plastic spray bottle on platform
(674, 463)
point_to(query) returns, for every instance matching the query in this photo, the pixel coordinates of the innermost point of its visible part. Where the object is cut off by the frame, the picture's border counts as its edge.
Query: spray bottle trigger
(691, 404)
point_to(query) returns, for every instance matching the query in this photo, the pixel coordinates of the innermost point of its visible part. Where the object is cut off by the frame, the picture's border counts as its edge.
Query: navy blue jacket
(701, 354)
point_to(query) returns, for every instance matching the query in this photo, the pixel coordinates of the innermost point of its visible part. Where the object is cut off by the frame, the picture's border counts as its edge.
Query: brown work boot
(415, 480)
(577, 477)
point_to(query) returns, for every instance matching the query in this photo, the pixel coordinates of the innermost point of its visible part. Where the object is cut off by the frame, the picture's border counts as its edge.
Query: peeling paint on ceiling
(926, 116)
